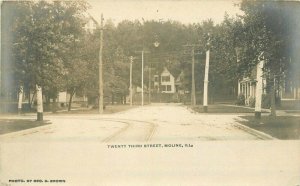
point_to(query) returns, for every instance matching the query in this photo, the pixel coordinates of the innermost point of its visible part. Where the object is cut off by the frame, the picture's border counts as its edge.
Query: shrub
(240, 100)
(252, 102)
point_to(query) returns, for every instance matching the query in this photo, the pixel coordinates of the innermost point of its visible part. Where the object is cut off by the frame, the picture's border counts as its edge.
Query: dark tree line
(52, 49)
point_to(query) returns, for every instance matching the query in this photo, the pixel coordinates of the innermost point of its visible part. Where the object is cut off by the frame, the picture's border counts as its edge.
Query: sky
(188, 11)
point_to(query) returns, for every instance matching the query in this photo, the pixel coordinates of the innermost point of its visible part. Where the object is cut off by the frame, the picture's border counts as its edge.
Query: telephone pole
(193, 95)
(259, 88)
(205, 91)
(39, 101)
(193, 91)
(206, 82)
(149, 84)
(142, 77)
(130, 86)
(20, 99)
(143, 52)
(100, 68)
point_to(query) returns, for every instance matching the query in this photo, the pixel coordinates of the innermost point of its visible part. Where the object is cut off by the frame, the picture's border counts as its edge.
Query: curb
(254, 132)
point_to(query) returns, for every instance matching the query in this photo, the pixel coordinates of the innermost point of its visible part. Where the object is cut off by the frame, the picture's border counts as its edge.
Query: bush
(252, 102)
(240, 100)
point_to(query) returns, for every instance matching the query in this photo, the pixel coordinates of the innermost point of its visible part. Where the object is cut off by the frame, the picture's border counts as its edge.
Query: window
(155, 79)
(163, 87)
(165, 78)
(168, 87)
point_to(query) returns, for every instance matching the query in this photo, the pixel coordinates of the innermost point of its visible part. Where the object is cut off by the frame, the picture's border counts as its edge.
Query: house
(287, 90)
(90, 25)
(165, 83)
(247, 86)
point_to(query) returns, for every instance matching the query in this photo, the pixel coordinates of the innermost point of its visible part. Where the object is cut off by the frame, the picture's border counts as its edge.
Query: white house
(90, 25)
(247, 87)
(166, 83)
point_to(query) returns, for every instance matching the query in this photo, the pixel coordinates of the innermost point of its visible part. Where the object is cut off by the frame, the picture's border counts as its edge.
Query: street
(202, 93)
(158, 122)
(162, 144)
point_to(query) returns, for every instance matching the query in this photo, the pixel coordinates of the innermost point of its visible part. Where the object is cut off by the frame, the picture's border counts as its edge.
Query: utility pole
(259, 89)
(149, 84)
(193, 94)
(193, 91)
(205, 91)
(39, 101)
(130, 86)
(20, 99)
(142, 77)
(205, 107)
(100, 68)
(143, 52)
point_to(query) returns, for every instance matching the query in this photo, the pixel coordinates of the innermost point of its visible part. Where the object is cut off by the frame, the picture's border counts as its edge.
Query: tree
(45, 33)
(224, 67)
(266, 32)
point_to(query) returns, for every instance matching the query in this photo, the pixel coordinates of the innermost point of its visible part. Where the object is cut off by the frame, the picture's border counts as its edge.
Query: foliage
(52, 49)
(252, 102)
(240, 99)
(44, 34)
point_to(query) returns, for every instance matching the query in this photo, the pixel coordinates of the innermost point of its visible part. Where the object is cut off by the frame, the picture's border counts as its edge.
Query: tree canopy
(52, 48)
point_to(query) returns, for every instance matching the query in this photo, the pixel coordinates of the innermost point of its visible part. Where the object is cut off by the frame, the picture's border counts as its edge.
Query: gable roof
(166, 70)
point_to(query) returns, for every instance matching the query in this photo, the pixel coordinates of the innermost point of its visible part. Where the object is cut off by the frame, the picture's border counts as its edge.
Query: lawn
(13, 125)
(281, 127)
(219, 108)
(109, 109)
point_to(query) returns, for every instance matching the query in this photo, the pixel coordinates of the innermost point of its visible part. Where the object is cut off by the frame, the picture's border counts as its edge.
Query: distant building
(247, 86)
(287, 90)
(165, 83)
(90, 25)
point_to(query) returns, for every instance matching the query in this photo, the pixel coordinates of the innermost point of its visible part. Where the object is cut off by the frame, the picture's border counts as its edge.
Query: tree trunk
(70, 100)
(112, 98)
(39, 100)
(273, 100)
(47, 100)
(54, 105)
(29, 103)
(20, 96)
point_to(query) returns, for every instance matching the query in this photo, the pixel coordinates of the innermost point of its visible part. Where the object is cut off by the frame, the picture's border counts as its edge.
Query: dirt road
(158, 122)
(152, 145)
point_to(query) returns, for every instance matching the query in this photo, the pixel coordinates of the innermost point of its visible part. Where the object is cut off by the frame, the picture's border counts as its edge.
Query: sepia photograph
(150, 92)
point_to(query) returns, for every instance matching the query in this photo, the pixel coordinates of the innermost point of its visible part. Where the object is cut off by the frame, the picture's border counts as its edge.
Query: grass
(109, 109)
(281, 127)
(224, 109)
(13, 125)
